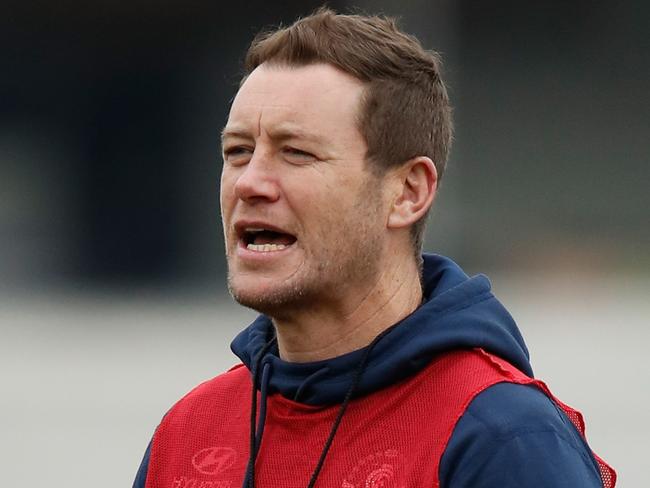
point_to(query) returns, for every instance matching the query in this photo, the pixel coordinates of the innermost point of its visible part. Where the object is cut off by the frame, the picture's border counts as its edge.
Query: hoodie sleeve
(141, 476)
(512, 436)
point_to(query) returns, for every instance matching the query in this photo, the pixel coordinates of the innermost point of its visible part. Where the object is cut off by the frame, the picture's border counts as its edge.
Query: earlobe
(417, 181)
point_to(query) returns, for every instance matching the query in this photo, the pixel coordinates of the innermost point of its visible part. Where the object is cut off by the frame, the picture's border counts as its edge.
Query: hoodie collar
(458, 312)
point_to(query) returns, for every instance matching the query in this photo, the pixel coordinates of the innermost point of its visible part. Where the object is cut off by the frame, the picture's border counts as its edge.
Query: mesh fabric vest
(394, 437)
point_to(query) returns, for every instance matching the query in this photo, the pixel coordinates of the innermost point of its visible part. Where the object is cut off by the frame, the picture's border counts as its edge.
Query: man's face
(303, 216)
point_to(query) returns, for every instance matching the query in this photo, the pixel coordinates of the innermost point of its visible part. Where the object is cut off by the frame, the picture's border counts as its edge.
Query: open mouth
(265, 240)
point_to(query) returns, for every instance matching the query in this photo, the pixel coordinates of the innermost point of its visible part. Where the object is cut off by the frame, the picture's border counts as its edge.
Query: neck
(355, 318)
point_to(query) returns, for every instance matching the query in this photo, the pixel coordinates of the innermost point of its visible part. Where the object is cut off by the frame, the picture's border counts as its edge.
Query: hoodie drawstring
(264, 386)
(344, 406)
(256, 434)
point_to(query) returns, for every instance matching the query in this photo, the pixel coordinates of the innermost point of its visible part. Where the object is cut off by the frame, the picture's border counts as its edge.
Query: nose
(257, 182)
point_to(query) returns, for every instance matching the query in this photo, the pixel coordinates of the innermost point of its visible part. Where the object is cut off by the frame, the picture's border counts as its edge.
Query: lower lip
(260, 256)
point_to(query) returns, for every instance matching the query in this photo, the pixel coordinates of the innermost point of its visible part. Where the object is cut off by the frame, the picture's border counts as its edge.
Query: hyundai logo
(213, 460)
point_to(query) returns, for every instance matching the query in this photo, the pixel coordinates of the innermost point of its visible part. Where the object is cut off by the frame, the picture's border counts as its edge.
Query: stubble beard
(352, 259)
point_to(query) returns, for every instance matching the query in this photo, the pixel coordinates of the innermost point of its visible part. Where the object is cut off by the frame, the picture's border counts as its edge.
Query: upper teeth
(265, 247)
(253, 229)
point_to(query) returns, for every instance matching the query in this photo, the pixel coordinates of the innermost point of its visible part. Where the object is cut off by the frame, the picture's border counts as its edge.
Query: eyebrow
(234, 132)
(280, 134)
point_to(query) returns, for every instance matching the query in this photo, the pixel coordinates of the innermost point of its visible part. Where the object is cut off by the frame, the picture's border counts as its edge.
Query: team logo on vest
(378, 470)
(213, 460)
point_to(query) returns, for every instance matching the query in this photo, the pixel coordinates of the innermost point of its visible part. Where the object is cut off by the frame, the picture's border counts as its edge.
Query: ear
(416, 184)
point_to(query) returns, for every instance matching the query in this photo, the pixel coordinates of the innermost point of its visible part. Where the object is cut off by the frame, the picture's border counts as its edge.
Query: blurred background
(112, 276)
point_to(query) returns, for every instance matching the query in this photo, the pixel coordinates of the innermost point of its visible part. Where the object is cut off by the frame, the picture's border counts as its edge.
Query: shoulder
(507, 409)
(216, 394)
(515, 435)
(235, 379)
(201, 413)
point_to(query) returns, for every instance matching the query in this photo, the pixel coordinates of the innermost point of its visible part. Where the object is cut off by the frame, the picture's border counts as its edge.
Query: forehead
(312, 98)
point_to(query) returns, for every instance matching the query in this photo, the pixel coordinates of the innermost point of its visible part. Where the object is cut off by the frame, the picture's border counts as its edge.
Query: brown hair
(405, 111)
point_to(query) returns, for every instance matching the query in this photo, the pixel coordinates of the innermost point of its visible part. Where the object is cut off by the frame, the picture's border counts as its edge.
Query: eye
(237, 155)
(297, 156)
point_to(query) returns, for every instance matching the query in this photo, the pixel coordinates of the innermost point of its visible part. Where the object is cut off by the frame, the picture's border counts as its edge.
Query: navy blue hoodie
(510, 435)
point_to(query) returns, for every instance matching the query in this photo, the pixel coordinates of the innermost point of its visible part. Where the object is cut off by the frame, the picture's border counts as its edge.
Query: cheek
(226, 191)
(328, 208)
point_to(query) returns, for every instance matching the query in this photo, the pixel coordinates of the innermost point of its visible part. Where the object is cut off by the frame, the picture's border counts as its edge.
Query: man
(370, 365)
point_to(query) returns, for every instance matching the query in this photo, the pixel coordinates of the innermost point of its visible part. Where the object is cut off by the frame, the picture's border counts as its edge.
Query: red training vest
(393, 437)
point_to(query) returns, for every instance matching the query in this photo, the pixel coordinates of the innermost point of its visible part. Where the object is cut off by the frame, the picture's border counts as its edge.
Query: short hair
(405, 110)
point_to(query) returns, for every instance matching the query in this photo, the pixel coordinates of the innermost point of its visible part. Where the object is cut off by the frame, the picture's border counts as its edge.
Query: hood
(458, 312)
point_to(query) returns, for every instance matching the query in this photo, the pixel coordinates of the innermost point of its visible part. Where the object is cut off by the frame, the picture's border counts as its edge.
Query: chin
(270, 297)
